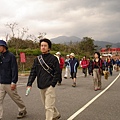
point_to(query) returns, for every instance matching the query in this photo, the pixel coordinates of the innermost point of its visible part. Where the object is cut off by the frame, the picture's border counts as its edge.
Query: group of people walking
(71, 64)
(95, 67)
(47, 68)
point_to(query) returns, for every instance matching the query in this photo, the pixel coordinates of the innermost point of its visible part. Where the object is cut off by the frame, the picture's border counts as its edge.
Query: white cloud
(98, 19)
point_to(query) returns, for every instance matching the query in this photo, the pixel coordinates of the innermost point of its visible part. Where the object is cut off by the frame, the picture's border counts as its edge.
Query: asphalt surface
(69, 100)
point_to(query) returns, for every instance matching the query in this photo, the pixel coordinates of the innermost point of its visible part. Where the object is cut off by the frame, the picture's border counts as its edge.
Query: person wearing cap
(84, 64)
(73, 68)
(61, 64)
(8, 79)
(67, 67)
(58, 56)
(46, 81)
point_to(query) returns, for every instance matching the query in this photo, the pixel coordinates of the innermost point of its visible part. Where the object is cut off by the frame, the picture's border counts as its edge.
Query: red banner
(22, 57)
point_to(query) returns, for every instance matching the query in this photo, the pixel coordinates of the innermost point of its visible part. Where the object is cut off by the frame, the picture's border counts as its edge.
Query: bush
(32, 53)
(28, 51)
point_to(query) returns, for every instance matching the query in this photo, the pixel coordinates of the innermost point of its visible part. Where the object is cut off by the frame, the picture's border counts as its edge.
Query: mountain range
(66, 40)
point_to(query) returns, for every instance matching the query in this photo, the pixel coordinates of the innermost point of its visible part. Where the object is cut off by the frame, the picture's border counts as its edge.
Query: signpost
(22, 60)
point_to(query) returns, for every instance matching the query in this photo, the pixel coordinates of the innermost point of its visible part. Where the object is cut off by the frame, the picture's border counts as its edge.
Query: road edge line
(91, 101)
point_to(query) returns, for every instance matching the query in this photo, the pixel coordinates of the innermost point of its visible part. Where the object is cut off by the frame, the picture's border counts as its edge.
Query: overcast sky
(99, 19)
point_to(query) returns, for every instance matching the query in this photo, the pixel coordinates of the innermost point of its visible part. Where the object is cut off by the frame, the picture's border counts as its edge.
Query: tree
(15, 40)
(12, 27)
(87, 45)
(41, 35)
(23, 31)
(108, 48)
(97, 48)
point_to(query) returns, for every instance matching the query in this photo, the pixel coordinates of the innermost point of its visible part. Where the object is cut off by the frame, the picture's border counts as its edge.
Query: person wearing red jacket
(61, 63)
(84, 64)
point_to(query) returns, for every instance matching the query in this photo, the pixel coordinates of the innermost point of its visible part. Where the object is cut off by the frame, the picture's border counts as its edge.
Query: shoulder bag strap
(44, 65)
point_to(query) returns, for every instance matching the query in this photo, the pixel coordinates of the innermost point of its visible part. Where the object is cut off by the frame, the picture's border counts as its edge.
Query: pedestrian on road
(90, 62)
(46, 69)
(67, 67)
(97, 71)
(110, 65)
(8, 79)
(61, 64)
(73, 68)
(84, 65)
(117, 62)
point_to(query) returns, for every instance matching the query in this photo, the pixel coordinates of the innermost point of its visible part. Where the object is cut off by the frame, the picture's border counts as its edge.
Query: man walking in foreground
(47, 70)
(8, 80)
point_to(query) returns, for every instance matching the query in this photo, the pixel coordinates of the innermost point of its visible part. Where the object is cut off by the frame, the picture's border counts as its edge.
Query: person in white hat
(72, 54)
(67, 67)
(61, 63)
(73, 68)
(58, 54)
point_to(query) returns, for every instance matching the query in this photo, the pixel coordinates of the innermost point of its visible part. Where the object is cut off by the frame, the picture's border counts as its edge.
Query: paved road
(69, 100)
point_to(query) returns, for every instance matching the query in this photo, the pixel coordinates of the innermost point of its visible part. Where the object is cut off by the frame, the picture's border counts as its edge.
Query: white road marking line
(21, 84)
(91, 101)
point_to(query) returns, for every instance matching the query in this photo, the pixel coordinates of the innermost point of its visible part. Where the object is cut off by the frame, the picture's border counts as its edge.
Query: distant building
(110, 52)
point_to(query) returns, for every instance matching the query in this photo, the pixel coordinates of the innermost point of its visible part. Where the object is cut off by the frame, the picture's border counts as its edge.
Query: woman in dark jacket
(97, 71)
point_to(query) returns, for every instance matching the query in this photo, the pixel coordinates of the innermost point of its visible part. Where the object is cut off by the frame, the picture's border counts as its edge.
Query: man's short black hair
(47, 41)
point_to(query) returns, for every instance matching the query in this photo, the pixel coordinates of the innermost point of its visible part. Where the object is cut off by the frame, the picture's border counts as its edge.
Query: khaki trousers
(96, 78)
(48, 99)
(5, 88)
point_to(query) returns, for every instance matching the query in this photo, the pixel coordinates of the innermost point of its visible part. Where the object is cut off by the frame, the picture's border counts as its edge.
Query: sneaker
(65, 77)
(99, 88)
(21, 114)
(56, 118)
(59, 84)
(95, 89)
(74, 85)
